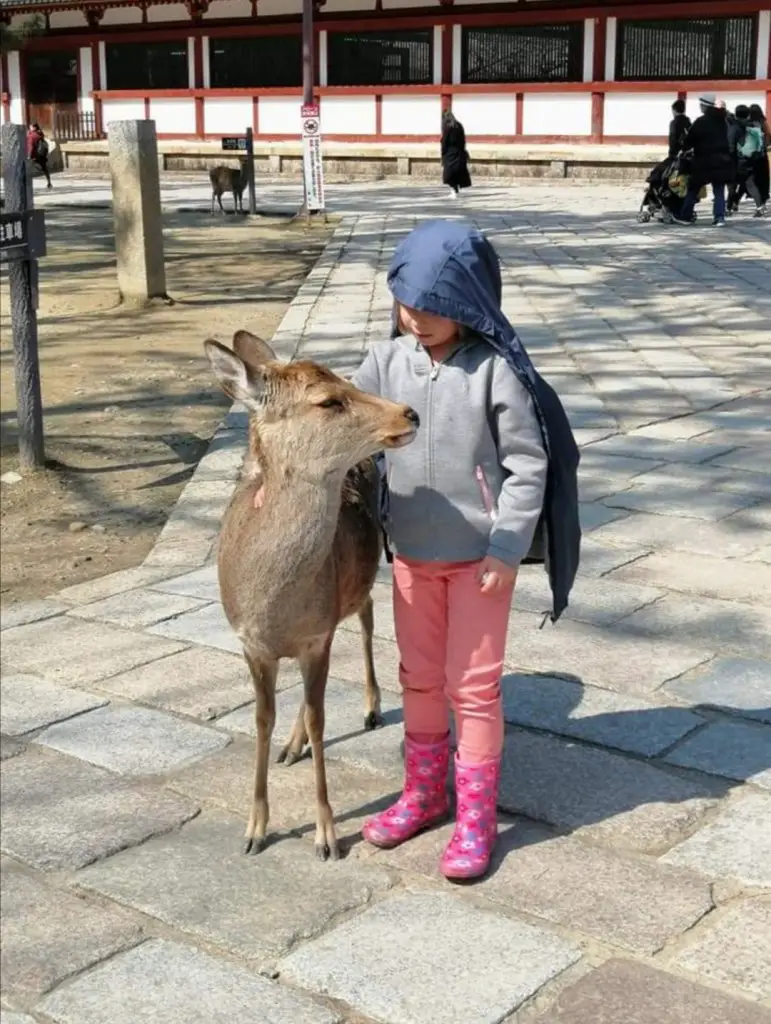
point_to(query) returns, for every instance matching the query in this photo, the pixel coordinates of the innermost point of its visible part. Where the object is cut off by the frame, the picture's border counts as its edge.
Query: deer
(300, 543)
(228, 179)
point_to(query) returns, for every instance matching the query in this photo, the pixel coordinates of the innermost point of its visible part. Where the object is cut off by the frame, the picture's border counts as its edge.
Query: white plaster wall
(167, 12)
(122, 16)
(323, 61)
(610, 49)
(411, 115)
(206, 63)
(438, 34)
(279, 8)
(103, 65)
(229, 9)
(638, 113)
(14, 88)
(173, 117)
(457, 53)
(122, 110)
(227, 116)
(588, 49)
(279, 115)
(392, 5)
(346, 115)
(557, 114)
(190, 62)
(764, 42)
(68, 19)
(486, 114)
(332, 6)
(732, 100)
(86, 80)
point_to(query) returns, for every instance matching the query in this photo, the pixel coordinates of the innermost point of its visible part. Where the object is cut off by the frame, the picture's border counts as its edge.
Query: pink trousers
(452, 639)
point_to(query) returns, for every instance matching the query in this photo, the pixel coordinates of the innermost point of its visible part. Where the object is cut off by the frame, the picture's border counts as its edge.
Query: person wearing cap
(712, 162)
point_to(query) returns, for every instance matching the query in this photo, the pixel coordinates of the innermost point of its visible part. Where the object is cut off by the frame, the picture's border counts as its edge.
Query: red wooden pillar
(447, 34)
(6, 97)
(598, 75)
(198, 84)
(96, 78)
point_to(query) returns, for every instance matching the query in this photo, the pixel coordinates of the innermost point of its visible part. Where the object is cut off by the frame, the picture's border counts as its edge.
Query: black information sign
(234, 142)
(22, 236)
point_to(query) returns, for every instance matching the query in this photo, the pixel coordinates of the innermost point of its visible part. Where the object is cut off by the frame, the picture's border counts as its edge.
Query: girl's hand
(495, 575)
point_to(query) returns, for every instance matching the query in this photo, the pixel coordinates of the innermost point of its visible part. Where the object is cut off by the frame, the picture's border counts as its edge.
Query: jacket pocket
(487, 495)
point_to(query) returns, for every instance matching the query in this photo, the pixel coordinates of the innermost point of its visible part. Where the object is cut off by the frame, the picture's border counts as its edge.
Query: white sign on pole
(313, 168)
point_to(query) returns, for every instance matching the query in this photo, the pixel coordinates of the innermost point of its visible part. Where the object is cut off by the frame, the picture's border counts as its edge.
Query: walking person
(679, 127)
(746, 138)
(711, 163)
(37, 150)
(758, 117)
(455, 173)
(465, 502)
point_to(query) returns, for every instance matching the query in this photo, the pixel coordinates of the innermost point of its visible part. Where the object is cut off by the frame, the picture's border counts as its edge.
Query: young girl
(465, 501)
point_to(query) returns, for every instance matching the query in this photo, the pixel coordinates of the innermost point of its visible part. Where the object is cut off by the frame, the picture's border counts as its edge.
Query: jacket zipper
(430, 424)
(487, 495)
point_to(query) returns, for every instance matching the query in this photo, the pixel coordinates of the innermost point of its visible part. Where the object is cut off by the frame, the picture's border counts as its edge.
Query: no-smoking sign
(311, 126)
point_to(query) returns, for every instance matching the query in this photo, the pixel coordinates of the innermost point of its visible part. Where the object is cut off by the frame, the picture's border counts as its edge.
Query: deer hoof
(374, 720)
(288, 756)
(327, 851)
(254, 845)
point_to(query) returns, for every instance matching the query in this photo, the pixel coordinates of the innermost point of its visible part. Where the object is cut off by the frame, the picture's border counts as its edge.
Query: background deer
(291, 569)
(228, 179)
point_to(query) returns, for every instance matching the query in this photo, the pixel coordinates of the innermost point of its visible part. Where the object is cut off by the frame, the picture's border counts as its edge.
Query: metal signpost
(313, 168)
(22, 243)
(244, 144)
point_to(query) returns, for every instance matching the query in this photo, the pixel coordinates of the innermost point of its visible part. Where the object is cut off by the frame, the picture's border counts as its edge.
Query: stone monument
(136, 206)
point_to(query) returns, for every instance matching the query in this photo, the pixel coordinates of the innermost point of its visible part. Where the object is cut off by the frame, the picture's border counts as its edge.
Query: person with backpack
(37, 150)
(746, 139)
(679, 127)
(711, 162)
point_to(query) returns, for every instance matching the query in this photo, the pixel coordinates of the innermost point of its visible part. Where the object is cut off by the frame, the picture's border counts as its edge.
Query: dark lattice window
(260, 61)
(147, 65)
(685, 48)
(380, 58)
(524, 53)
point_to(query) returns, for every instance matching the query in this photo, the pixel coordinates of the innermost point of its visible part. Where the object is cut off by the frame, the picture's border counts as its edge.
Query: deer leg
(373, 718)
(264, 679)
(219, 200)
(315, 668)
(293, 748)
(212, 204)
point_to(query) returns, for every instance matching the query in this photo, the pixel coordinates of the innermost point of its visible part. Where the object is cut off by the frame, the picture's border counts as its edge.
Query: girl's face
(430, 330)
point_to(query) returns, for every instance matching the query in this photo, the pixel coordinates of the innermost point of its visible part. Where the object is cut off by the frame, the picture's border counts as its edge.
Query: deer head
(304, 417)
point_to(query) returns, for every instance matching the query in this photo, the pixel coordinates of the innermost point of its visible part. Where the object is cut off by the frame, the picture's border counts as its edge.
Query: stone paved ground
(632, 882)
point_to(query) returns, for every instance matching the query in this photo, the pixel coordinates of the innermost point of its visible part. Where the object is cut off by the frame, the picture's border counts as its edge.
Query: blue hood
(449, 268)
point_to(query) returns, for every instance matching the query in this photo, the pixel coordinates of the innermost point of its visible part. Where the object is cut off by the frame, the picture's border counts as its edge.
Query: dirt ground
(129, 399)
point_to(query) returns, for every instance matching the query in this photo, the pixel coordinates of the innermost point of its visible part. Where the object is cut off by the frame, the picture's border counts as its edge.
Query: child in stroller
(667, 185)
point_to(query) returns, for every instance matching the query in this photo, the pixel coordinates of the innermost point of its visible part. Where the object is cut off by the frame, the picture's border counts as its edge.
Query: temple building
(519, 71)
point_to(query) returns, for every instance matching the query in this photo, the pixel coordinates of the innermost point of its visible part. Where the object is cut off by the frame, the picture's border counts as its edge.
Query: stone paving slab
(380, 961)
(345, 738)
(733, 948)
(29, 702)
(206, 626)
(739, 685)
(599, 716)
(40, 926)
(624, 804)
(78, 653)
(61, 813)
(626, 902)
(737, 844)
(9, 748)
(598, 558)
(201, 882)
(201, 682)
(31, 611)
(114, 583)
(599, 657)
(9, 1017)
(202, 584)
(646, 494)
(624, 992)
(132, 741)
(730, 625)
(225, 779)
(167, 983)
(659, 449)
(734, 750)
(736, 536)
(719, 578)
(598, 602)
(136, 608)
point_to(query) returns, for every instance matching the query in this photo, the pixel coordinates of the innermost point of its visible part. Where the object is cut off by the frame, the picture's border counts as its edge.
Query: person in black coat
(758, 117)
(454, 156)
(679, 127)
(712, 162)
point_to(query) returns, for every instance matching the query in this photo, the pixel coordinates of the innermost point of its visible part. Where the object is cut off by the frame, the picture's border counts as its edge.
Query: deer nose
(412, 416)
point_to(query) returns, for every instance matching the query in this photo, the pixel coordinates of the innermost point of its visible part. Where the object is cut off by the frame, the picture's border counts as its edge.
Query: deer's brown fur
(228, 179)
(291, 569)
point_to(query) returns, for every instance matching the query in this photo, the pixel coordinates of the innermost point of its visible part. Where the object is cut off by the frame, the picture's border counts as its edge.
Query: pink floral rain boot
(476, 826)
(423, 801)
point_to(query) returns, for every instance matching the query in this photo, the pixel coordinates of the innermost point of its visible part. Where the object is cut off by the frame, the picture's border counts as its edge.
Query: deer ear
(240, 381)
(253, 350)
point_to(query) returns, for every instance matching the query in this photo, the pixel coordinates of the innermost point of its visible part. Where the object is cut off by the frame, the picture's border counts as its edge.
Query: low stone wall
(367, 161)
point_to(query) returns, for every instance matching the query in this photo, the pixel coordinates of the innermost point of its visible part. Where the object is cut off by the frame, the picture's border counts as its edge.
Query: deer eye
(331, 403)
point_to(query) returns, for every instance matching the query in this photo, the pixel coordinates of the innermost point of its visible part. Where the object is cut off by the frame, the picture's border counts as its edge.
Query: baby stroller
(667, 185)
